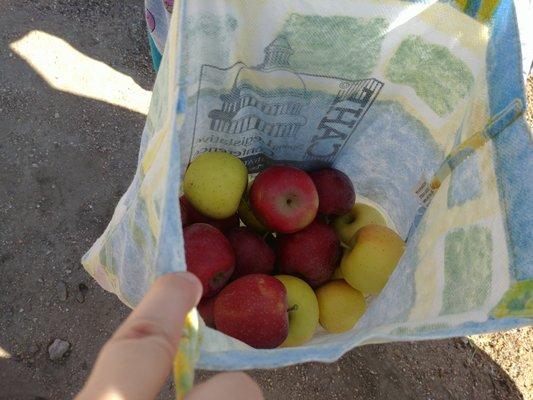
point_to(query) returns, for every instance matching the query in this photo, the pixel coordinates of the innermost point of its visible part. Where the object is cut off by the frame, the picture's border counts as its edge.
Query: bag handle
(425, 190)
(466, 148)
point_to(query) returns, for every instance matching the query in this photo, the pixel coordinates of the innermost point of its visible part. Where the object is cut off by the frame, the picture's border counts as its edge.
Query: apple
(252, 254)
(336, 195)
(225, 224)
(360, 215)
(209, 256)
(303, 310)
(340, 306)
(214, 183)
(284, 198)
(206, 310)
(189, 215)
(311, 253)
(247, 215)
(187, 212)
(374, 255)
(253, 309)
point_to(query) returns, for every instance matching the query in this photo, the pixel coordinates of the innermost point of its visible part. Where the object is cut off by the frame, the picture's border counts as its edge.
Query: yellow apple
(303, 310)
(340, 306)
(214, 183)
(374, 255)
(360, 215)
(337, 274)
(247, 215)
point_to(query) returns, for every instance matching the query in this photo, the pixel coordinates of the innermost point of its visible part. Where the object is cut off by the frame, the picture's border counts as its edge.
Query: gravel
(513, 352)
(33, 349)
(82, 289)
(58, 349)
(61, 290)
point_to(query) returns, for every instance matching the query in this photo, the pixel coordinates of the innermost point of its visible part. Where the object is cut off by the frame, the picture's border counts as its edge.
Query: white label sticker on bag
(424, 192)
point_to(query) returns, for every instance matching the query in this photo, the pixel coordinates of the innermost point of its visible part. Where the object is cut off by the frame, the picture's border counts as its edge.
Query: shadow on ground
(65, 161)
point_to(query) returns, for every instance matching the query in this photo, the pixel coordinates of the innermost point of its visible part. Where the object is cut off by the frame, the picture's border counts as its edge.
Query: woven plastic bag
(420, 103)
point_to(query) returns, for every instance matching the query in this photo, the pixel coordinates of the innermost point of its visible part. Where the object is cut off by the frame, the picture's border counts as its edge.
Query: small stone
(61, 290)
(82, 289)
(58, 349)
(56, 115)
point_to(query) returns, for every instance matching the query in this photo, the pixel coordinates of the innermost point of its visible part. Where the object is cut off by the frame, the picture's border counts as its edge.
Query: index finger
(136, 361)
(163, 308)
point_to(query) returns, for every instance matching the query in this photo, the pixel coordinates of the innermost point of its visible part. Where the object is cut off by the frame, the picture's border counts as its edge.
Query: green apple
(340, 306)
(303, 310)
(247, 215)
(360, 215)
(374, 255)
(214, 183)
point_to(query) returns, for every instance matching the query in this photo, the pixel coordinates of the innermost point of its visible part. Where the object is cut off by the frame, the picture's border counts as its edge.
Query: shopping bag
(420, 103)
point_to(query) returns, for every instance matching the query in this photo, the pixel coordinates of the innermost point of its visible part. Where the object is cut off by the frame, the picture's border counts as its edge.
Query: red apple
(335, 191)
(206, 310)
(187, 211)
(209, 256)
(189, 215)
(284, 198)
(252, 254)
(253, 309)
(223, 225)
(311, 253)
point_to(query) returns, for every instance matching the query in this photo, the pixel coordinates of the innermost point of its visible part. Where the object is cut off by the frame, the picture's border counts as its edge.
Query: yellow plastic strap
(187, 356)
(461, 152)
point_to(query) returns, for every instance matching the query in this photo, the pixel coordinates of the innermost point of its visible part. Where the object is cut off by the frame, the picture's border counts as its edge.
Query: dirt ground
(65, 160)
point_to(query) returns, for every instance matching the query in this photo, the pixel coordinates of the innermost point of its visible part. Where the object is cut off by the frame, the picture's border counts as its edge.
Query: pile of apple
(308, 254)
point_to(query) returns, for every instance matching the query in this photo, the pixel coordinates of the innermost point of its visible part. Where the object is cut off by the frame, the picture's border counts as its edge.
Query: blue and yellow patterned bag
(420, 103)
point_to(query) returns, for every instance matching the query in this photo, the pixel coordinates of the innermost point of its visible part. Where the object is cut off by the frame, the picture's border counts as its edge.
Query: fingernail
(194, 281)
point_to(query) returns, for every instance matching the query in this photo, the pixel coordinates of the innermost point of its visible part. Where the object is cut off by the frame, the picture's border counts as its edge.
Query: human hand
(134, 364)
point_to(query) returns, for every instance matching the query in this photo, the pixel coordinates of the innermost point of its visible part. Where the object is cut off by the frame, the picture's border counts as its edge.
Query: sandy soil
(66, 160)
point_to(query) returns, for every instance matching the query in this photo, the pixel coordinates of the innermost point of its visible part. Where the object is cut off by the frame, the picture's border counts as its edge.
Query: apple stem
(293, 308)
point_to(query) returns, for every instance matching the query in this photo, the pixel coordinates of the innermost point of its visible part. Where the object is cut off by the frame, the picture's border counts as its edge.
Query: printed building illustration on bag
(277, 114)
(270, 105)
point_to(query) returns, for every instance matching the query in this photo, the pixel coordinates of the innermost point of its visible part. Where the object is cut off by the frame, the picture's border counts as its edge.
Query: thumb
(136, 361)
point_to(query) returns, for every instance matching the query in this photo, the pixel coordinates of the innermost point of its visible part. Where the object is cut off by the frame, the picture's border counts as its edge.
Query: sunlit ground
(4, 353)
(66, 69)
(513, 352)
